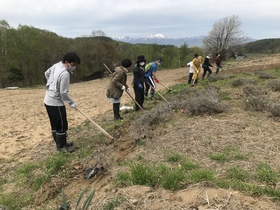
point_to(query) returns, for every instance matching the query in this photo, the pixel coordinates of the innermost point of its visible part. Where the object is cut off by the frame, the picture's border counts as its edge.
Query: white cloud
(177, 18)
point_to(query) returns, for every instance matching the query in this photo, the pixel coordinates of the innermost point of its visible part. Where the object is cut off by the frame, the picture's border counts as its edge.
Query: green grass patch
(266, 174)
(219, 157)
(236, 173)
(174, 157)
(112, 203)
(228, 153)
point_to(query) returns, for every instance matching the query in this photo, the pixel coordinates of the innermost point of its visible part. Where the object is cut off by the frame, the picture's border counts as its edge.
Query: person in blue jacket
(151, 78)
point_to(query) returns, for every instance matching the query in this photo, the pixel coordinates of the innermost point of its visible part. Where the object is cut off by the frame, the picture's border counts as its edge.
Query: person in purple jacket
(57, 88)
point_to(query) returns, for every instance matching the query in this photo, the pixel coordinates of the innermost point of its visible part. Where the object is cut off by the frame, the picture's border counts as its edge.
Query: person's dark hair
(126, 63)
(71, 57)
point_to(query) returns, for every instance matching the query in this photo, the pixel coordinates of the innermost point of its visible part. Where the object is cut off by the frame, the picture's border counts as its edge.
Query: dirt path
(23, 119)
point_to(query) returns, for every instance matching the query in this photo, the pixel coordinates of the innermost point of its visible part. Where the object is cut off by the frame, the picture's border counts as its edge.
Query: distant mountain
(161, 39)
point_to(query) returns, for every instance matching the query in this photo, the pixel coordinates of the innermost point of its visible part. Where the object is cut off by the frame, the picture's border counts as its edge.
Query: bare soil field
(26, 136)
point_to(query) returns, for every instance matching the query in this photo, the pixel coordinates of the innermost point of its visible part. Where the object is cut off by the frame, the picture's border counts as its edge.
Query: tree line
(27, 52)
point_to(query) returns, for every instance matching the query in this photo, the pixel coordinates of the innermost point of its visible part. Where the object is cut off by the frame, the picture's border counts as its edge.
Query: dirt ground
(24, 123)
(25, 127)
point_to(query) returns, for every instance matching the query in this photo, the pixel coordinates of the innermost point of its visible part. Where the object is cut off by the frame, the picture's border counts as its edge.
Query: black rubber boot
(69, 144)
(61, 144)
(116, 109)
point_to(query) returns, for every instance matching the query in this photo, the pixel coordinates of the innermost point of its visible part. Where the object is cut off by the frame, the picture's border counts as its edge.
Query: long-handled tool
(107, 68)
(126, 90)
(158, 92)
(168, 89)
(134, 100)
(101, 129)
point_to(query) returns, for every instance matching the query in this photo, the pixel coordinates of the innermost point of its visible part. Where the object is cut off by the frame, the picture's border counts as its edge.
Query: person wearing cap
(206, 66)
(138, 81)
(117, 85)
(151, 78)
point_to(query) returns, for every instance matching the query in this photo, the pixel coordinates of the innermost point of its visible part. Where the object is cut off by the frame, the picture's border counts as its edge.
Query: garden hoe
(158, 93)
(101, 129)
(107, 68)
(168, 89)
(134, 101)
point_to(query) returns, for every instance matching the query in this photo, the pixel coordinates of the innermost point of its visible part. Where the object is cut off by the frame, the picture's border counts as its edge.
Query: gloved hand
(73, 105)
(157, 81)
(123, 87)
(140, 86)
(127, 89)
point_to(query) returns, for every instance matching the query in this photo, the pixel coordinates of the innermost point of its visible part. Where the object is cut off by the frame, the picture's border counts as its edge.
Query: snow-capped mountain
(164, 40)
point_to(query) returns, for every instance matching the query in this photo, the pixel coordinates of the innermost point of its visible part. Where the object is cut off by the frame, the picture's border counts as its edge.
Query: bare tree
(98, 33)
(225, 34)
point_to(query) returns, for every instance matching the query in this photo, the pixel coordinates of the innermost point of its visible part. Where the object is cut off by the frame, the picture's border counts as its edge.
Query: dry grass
(213, 127)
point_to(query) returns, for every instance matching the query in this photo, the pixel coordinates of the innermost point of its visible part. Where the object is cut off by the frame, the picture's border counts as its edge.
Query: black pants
(139, 96)
(206, 69)
(58, 118)
(190, 78)
(116, 110)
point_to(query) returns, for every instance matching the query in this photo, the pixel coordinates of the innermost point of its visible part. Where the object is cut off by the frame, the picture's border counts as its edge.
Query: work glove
(123, 87)
(140, 86)
(127, 89)
(73, 105)
(157, 81)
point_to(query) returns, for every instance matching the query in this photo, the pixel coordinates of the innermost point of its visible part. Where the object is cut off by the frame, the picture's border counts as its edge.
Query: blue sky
(135, 18)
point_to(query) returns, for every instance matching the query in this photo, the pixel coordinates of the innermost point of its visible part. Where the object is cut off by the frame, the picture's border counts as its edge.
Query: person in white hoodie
(57, 88)
(190, 64)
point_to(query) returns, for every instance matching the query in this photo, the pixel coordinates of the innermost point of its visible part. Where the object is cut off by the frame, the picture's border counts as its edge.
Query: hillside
(173, 140)
(265, 46)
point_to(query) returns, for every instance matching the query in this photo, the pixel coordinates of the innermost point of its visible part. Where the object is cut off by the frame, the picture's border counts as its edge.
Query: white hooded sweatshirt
(57, 87)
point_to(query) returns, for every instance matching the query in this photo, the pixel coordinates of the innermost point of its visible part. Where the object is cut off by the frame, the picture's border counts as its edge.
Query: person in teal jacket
(151, 78)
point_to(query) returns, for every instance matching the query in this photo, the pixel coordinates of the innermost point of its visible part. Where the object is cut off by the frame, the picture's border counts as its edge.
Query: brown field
(25, 136)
